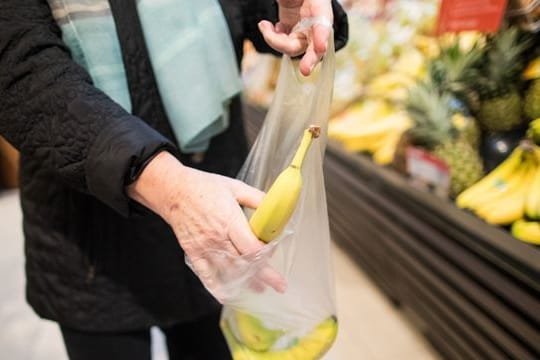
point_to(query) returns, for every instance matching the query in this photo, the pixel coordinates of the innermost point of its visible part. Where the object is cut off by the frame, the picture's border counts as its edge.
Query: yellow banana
(279, 203)
(532, 205)
(253, 334)
(532, 71)
(497, 177)
(365, 142)
(364, 111)
(528, 231)
(385, 154)
(391, 85)
(501, 189)
(310, 347)
(511, 206)
(411, 62)
(371, 136)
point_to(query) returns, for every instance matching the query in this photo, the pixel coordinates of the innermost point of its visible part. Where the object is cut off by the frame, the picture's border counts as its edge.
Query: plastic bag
(300, 323)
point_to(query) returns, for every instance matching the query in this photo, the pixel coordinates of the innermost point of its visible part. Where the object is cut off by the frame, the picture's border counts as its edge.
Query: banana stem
(310, 133)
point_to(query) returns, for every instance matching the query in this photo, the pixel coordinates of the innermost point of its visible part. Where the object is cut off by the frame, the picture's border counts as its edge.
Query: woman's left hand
(281, 38)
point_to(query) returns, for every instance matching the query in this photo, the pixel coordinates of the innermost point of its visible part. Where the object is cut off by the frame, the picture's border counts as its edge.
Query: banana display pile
(372, 126)
(510, 194)
(369, 115)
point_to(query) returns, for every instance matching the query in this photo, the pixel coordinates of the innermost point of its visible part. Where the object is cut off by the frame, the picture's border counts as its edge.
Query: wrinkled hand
(281, 39)
(203, 209)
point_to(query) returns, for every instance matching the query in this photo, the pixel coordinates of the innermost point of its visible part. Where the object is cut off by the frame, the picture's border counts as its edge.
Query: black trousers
(199, 340)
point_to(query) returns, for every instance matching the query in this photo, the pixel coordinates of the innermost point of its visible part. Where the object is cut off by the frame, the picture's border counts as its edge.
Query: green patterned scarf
(190, 50)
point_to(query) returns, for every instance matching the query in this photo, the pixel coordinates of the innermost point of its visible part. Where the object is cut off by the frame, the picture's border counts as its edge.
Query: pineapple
(531, 106)
(465, 164)
(498, 82)
(435, 130)
(452, 70)
(468, 129)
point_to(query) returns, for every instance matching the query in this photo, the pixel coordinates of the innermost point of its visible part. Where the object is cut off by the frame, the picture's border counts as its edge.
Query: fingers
(272, 278)
(247, 195)
(292, 44)
(316, 49)
(256, 285)
(321, 34)
(308, 62)
(282, 28)
(240, 232)
(204, 271)
(241, 235)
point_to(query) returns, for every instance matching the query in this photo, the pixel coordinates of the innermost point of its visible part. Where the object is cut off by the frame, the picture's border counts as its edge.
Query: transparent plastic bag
(300, 323)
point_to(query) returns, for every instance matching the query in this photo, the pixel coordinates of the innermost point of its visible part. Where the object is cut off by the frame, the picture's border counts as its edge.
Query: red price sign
(425, 168)
(463, 15)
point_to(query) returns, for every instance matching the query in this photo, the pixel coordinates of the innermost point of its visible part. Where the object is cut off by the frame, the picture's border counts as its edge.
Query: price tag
(464, 15)
(425, 168)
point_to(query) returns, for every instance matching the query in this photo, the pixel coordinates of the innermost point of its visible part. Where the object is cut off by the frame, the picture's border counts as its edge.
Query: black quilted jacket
(95, 259)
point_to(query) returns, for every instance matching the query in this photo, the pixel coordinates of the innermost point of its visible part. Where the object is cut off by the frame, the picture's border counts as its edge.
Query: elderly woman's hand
(280, 37)
(204, 211)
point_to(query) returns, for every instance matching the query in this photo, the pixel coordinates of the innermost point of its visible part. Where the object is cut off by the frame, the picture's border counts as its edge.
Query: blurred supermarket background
(433, 185)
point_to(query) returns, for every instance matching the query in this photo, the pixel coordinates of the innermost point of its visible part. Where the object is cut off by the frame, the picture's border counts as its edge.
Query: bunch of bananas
(528, 231)
(254, 340)
(372, 126)
(510, 193)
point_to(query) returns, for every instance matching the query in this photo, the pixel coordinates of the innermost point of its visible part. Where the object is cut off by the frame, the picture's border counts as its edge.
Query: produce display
(382, 64)
(465, 98)
(469, 99)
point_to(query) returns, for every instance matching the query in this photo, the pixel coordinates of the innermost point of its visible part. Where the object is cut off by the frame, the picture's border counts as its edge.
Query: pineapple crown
(502, 63)
(451, 69)
(431, 113)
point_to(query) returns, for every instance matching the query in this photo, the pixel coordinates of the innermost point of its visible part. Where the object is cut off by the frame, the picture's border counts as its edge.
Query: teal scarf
(190, 50)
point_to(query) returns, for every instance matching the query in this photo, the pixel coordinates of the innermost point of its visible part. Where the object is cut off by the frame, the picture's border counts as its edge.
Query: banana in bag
(286, 162)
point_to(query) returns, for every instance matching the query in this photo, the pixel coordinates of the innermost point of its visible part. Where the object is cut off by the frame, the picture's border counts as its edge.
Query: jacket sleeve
(257, 10)
(51, 112)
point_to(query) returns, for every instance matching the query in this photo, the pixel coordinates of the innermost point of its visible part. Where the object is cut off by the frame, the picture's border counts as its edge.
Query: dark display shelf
(471, 288)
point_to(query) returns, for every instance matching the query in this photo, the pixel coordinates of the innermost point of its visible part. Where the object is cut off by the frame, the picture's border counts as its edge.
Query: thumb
(291, 44)
(266, 27)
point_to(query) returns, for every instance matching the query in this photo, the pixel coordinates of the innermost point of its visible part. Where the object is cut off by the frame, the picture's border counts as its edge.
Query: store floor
(370, 328)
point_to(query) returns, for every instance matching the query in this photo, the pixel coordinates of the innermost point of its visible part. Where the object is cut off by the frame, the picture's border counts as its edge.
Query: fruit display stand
(471, 288)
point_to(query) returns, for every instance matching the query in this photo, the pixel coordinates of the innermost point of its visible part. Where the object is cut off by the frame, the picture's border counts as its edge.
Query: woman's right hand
(204, 211)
